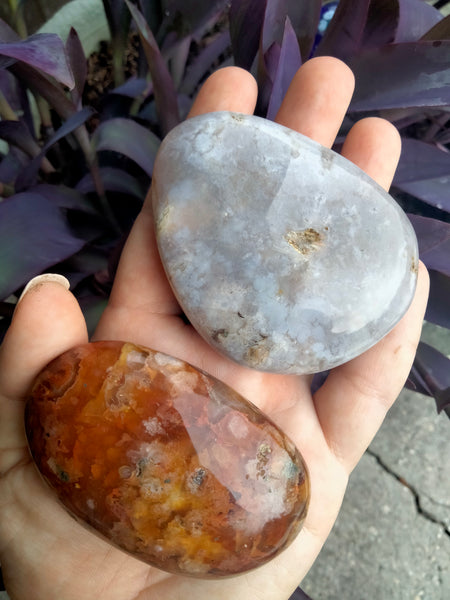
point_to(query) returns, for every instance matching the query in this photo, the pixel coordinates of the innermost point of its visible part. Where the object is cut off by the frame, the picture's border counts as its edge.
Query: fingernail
(45, 278)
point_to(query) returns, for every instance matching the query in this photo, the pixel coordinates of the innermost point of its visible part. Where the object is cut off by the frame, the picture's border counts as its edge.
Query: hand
(46, 555)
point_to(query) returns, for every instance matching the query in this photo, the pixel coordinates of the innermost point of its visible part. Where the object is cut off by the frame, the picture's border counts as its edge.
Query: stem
(138, 101)
(6, 112)
(19, 22)
(118, 61)
(438, 123)
(13, 5)
(82, 137)
(44, 113)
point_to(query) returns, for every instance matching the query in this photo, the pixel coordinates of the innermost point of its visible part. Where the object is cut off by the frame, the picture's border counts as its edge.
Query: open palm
(44, 553)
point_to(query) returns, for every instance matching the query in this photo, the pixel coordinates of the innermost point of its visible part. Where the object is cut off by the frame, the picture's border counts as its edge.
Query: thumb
(47, 321)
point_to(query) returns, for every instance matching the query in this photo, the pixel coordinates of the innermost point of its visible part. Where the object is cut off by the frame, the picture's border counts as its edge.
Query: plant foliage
(80, 136)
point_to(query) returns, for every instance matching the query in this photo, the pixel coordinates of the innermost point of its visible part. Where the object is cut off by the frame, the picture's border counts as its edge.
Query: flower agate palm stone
(284, 256)
(165, 461)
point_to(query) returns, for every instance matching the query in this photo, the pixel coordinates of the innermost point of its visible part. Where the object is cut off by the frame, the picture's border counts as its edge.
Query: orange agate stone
(165, 461)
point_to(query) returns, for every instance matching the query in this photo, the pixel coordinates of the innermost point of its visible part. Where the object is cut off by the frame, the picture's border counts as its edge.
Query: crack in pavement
(423, 512)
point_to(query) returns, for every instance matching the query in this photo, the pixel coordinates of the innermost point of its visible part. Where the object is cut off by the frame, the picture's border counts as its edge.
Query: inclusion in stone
(284, 256)
(165, 461)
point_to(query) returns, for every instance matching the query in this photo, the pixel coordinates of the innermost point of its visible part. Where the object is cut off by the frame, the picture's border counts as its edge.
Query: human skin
(44, 553)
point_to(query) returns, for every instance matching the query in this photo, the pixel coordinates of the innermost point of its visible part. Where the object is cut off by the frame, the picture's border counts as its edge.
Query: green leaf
(87, 17)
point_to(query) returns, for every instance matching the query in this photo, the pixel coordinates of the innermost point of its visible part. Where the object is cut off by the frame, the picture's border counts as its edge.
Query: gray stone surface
(392, 538)
(284, 255)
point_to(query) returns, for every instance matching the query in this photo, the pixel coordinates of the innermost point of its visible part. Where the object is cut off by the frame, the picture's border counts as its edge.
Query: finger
(317, 99)
(232, 89)
(140, 282)
(374, 145)
(356, 396)
(46, 322)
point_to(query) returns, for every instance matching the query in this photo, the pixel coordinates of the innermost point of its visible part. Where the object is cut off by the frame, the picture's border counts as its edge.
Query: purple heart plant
(80, 133)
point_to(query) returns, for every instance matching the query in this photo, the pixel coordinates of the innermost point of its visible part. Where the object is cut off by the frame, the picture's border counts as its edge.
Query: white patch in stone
(153, 426)
(164, 360)
(184, 381)
(238, 426)
(135, 358)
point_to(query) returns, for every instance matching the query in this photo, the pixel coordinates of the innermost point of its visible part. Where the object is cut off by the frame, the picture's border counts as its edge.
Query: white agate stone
(284, 256)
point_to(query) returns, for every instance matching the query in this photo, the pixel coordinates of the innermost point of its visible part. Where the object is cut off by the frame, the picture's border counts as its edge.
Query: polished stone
(284, 256)
(165, 461)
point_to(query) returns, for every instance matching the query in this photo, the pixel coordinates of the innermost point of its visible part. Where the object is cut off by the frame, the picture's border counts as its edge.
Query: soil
(100, 76)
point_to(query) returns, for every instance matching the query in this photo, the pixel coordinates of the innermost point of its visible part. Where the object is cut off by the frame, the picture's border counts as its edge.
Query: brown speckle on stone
(305, 241)
(414, 266)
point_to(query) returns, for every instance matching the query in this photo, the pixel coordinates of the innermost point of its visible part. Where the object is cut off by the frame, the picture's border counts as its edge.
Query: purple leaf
(434, 368)
(382, 23)
(420, 160)
(128, 138)
(89, 260)
(246, 21)
(16, 95)
(424, 172)
(17, 134)
(29, 174)
(203, 62)
(163, 86)
(416, 18)
(7, 34)
(274, 23)
(289, 62)
(40, 84)
(401, 76)
(345, 33)
(178, 56)
(114, 180)
(441, 31)
(304, 18)
(299, 594)
(305, 25)
(416, 383)
(10, 167)
(267, 69)
(43, 51)
(443, 137)
(78, 64)
(133, 88)
(318, 380)
(64, 197)
(33, 237)
(439, 300)
(434, 243)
